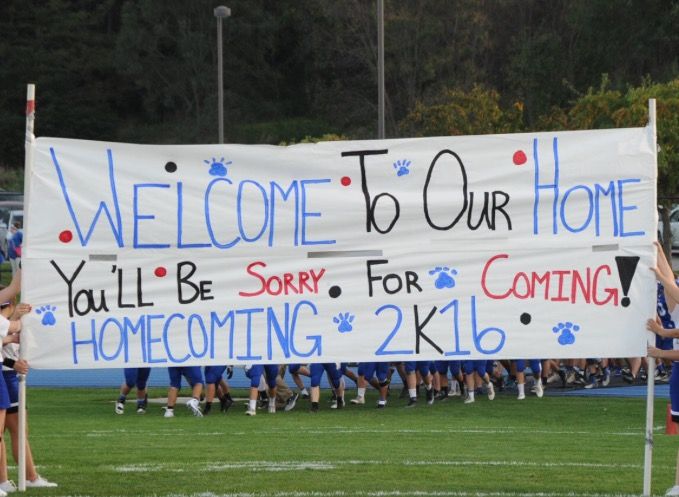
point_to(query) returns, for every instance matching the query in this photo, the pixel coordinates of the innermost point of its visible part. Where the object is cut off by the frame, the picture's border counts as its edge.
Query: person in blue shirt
(254, 373)
(194, 376)
(134, 377)
(14, 247)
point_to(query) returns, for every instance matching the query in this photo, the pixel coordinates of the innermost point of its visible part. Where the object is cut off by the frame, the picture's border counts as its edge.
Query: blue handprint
(48, 318)
(445, 277)
(402, 167)
(217, 167)
(344, 321)
(566, 329)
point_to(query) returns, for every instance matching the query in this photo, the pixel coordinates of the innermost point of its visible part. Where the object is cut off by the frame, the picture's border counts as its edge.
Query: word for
(391, 283)
(600, 202)
(239, 335)
(287, 283)
(220, 232)
(592, 286)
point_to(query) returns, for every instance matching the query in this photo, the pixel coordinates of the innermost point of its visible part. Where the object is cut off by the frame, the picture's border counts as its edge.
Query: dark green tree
(64, 48)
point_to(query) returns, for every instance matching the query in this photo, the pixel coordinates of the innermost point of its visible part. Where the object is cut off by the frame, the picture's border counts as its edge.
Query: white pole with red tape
(28, 165)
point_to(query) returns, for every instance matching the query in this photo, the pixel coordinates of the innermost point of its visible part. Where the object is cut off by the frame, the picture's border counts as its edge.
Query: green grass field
(538, 447)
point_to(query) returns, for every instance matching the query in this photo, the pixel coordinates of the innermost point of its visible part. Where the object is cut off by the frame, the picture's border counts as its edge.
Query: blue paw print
(445, 277)
(566, 329)
(344, 321)
(217, 167)
(402, 167)
(48, 318)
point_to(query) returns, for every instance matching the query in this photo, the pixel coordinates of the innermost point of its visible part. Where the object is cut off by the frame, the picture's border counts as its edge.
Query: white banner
(501, 246)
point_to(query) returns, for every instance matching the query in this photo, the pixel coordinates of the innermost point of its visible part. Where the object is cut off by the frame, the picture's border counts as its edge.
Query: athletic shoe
(272, 408)
(381, 405)
(305, 394)
(225, 402)
(628, 377)
(194, 407)
(263, 400)
(593, 383)
(412, 402)
(672, 492)
(562, 374)
(469, 400)
(442, 395)
(430, 396)
(553, 378)
(521, 396)
(314, 407)
(3, 493)
(455, 390)
(120, 408)
(291, 402)
(539, 391)
(251, 412)
(570, 376)
(607, 378)
(580, 379)
(8, 486)
(40, 482)
(169, 413)
(338, 404)
(141, 410)
(491, 391)
(358, 400)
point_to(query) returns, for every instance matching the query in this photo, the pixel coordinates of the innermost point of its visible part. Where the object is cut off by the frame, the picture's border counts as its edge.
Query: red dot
(65, 236)
(160, 271)
(346, 181)
(519, 158)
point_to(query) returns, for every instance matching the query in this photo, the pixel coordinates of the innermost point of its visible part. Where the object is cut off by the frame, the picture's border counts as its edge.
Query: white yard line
(276, 466)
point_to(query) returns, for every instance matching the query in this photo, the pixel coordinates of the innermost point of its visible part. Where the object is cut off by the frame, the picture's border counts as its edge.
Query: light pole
(220, 13)
(380, 69)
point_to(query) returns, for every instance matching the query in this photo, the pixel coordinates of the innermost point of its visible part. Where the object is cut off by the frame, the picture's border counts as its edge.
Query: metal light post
(380, 69)
(220, 13)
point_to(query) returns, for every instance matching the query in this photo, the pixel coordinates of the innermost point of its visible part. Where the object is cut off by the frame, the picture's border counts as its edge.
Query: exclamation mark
(626, 268)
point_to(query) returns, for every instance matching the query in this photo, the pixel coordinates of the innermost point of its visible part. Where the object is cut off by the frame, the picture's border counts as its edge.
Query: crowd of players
(422, 381)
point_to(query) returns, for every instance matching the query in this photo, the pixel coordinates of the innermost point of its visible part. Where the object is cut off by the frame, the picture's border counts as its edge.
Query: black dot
(525, 318)
(335, 291)
(625, 301)
(170, 167)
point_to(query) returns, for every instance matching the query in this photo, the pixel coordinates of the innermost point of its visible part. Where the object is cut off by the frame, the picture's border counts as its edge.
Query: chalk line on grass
(280, 466)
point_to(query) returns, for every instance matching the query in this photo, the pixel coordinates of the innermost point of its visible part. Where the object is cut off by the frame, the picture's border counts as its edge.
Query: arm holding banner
(12, 289)
(655, 327)
(672, 355)
(665, 275)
